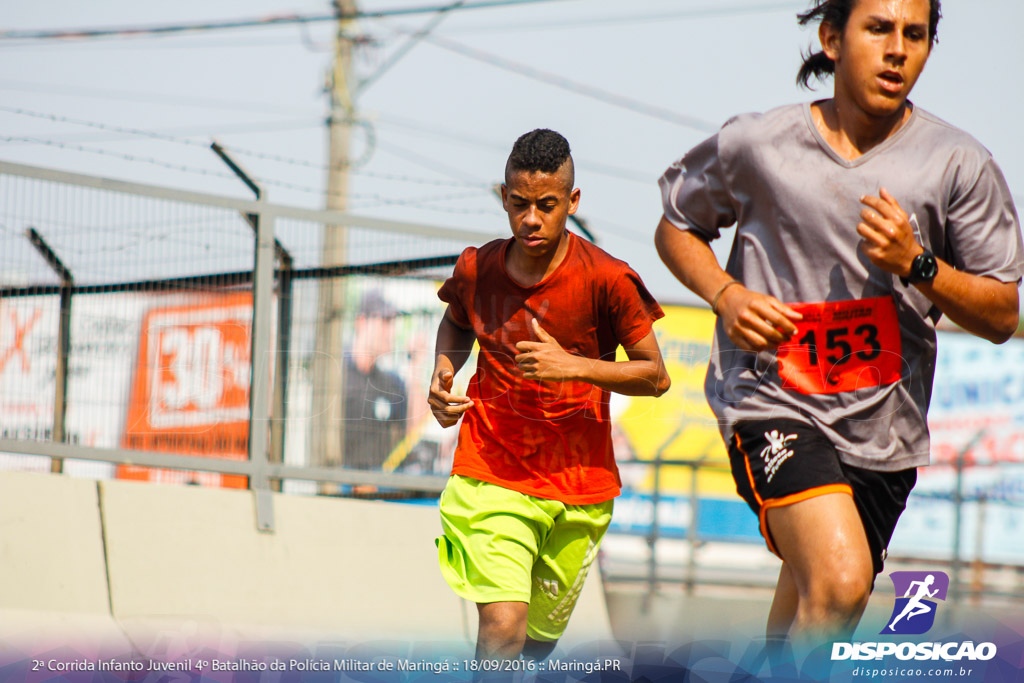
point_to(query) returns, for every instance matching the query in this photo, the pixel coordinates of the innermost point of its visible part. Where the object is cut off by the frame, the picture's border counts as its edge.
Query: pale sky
(619, 80)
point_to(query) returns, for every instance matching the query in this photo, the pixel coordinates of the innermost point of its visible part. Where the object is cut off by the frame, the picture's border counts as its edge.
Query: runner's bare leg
(828, 563)
(502, 631)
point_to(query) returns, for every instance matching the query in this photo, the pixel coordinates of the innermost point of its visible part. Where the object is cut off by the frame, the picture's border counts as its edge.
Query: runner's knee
(502, 628)
(840, 593)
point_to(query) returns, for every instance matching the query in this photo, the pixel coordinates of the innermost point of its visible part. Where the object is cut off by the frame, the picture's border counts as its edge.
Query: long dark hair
(837, 13)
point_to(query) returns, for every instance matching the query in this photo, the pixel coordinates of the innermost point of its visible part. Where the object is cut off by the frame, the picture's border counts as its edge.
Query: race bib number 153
(842, 346)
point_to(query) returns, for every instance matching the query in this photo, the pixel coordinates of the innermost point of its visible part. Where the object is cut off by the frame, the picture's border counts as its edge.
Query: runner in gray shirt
(860, 220)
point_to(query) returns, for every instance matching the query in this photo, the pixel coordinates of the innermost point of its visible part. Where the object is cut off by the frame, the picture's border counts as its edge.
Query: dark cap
(373, 303)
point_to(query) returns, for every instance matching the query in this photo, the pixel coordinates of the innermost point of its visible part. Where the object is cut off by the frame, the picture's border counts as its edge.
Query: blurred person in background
(376, 398)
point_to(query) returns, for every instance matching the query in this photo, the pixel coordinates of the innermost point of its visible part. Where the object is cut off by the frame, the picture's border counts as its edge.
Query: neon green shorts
(500, 545)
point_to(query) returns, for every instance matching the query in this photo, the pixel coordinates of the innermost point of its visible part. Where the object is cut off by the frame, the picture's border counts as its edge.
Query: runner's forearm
(453, 345)
(690, 259)
(631, 378)
(983, 306)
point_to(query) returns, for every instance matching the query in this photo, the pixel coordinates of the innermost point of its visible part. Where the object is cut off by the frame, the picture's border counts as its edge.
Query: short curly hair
(837, 13)
(541, 150)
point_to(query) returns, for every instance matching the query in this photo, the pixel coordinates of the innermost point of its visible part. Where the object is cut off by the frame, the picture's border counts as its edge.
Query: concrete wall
(54, 585)
(147, 560)
(51, 546)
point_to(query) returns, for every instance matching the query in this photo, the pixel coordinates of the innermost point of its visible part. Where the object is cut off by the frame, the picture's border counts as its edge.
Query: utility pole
(328, 363)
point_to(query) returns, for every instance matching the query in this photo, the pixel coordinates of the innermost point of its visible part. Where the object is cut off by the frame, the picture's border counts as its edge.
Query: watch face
(924, 268)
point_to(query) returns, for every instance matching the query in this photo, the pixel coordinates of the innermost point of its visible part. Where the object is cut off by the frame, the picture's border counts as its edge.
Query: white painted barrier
(54, 587)
(51, 546)
(345, 567)
(161, 563)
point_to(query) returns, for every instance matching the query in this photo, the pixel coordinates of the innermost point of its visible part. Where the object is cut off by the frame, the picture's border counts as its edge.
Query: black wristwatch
(923, 269)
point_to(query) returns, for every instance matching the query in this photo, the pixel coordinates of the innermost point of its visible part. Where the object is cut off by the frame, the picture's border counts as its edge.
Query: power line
(407, 46)
(464, 138)
(572, 86)
(598, 167)
(154, 136)
(429, 163)
(207, 130)
(474, 189)
(434, 131)
(278, 20)
(102, 126)
(119, 155)
(502, 27)
(624, 19)
(246, 152)
(148, 98)
(394, 177)
(201, 41)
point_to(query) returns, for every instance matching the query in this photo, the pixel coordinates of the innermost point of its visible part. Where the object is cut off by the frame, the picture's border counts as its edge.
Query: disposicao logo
(914, 612)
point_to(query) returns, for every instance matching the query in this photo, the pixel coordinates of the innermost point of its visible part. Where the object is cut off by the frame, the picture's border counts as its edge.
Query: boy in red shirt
(534, 474)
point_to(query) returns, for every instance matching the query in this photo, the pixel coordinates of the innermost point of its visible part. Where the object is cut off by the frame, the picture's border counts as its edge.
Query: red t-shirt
(546, 439)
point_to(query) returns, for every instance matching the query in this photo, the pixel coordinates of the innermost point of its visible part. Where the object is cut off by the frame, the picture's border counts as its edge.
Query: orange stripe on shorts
(798, 497)
(750, 474)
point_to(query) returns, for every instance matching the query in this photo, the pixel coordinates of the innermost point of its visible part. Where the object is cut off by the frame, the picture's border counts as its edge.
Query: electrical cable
(406, 47)
(148, 98)
(168, 29)
(463, 138)
(571, 86)
(624, 19)
(373, 197)
(250, 153)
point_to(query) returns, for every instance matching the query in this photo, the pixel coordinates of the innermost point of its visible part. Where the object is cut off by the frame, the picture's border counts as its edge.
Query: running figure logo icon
(776, 452)
(914, 612)
(776, 442)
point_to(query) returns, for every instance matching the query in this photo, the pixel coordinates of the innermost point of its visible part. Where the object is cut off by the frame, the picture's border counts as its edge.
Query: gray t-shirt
(796, 205)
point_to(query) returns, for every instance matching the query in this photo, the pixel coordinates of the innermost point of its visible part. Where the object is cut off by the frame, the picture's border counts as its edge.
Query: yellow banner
(678, 425)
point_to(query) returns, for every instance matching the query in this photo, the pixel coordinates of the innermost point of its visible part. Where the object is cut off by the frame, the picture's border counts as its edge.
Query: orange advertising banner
(190, 392)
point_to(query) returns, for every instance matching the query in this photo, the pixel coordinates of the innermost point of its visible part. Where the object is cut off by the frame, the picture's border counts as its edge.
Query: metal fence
(153, 333)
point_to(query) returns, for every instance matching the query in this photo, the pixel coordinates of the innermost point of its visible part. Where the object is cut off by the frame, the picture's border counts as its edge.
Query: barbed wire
(373, 197)
(125, 130)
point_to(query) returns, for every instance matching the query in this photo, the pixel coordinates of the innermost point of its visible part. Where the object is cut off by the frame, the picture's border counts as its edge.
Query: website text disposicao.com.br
(952, 660)
(901, 672)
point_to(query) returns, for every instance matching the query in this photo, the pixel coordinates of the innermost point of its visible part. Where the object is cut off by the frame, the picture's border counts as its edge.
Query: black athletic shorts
(781, 462)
